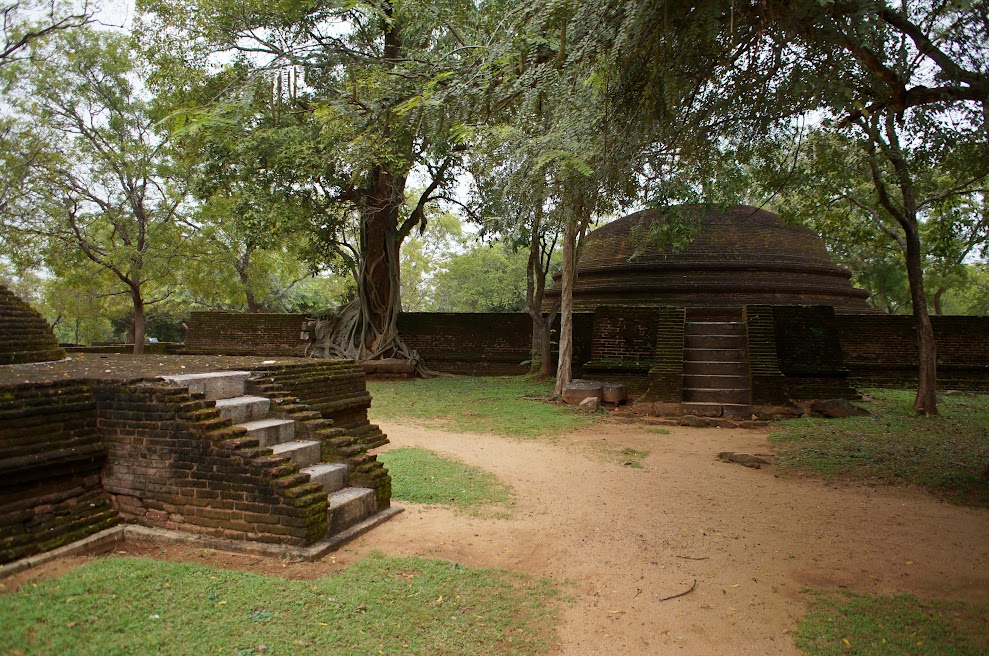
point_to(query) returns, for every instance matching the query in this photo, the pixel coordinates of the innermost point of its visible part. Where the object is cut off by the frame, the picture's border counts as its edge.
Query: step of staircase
(302, 453)
(714, 341)
(270, 432)
(350, 506)
(716, 381)
(722, 396)
(331, 475)
(243, 408)
(714, 328)
(714, 368)
(714, 354)
(727, 410)
(215, 385)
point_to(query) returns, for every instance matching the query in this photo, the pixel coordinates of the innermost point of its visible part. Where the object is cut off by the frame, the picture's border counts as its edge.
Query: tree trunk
(367, 327)
(535, 291)
(138, 322)
(938, 310)
(926, 401)
(564, 368)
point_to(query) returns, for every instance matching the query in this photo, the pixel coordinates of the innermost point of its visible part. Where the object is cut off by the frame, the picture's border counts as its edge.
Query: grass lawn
(423, 476)
(506, 405)
(846, 623)
(378, 606)
(947, 455)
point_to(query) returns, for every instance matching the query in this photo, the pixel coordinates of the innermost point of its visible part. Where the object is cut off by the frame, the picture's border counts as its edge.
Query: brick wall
(469, 343)
(235, 333)
(174, 463)
(489, 343)
(624, 333)
(51, 455)
(882, 351)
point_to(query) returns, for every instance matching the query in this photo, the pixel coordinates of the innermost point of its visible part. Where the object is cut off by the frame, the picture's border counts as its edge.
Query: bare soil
(737, 545)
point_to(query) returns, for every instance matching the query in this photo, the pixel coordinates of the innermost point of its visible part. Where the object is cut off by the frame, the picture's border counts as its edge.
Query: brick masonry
(234, 333)
(337, 391)
(51, 455)
(173, 463)
(79, 456)
(25, 335)
(621, 342)
(881, 351)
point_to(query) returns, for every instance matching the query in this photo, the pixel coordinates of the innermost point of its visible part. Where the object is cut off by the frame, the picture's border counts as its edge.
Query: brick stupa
(25, 336)
(742, 256)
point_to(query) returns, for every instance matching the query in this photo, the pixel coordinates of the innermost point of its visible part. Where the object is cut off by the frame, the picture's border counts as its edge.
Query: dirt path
(628, 538)
(744, 542)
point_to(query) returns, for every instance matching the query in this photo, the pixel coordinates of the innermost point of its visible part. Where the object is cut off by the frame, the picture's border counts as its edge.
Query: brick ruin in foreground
(278, 454)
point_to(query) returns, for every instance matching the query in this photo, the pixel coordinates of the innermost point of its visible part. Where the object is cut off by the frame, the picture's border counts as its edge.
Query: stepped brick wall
(881, 351)
(665, 382)
(338, 392)
(234, 333)
(51, 454)
(25, 336)
(174, 463)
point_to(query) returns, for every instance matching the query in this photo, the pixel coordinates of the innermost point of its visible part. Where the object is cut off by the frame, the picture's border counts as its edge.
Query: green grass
(658, 431)
(423, 476)
(848, 623)
(378, 606)
(510, 406)
(620, 455)
(947, 455)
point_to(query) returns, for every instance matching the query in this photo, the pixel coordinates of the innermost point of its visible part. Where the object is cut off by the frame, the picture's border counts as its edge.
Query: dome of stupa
(739, 256)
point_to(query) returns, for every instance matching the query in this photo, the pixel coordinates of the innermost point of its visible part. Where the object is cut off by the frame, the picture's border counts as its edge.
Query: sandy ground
(741, 543)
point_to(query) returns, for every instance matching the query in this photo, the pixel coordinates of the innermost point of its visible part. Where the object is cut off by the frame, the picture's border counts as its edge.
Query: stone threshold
(106, 540)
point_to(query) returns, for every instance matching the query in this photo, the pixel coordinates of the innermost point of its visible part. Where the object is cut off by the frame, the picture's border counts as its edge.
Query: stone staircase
(715, 367)
(289, 435)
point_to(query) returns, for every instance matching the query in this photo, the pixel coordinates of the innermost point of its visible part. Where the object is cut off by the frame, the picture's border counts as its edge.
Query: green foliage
(423, 257)
(423, 476)
(102, 202)
(947, 455)
(848, 623)
(510, 406)
(379, 605)
(484, 279)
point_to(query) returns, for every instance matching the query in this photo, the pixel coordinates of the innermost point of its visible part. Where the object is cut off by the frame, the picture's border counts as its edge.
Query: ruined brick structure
(25, 336)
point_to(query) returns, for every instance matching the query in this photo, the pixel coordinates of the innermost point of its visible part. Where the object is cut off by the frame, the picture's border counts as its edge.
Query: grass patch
(506, 405)
(380, 605)
(848, 623)
(620, 455)
(423, 476)
(947, 455)
(658, 431)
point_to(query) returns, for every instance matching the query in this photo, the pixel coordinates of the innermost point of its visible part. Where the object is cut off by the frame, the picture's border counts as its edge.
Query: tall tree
(371, 70)
(103, 186)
